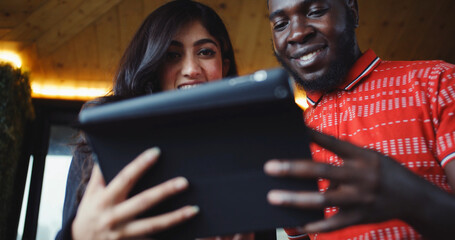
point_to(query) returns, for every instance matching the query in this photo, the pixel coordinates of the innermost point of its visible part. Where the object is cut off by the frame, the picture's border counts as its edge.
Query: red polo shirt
(404, 110)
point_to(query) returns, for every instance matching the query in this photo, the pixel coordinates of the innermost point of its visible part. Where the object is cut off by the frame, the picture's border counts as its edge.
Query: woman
(179, 45)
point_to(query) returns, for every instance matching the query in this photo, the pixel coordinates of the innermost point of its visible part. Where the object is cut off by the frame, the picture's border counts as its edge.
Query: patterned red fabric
(404, 110)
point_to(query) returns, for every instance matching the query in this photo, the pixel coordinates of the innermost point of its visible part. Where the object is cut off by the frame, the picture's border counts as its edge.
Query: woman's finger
(149, 198)
(121, 185)
(156, 224)
(96, 181)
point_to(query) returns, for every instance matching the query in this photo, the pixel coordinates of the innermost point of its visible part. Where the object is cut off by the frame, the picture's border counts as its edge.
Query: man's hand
(369, 187)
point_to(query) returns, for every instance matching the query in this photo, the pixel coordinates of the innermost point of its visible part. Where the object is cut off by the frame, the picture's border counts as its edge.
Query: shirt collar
(361, 68)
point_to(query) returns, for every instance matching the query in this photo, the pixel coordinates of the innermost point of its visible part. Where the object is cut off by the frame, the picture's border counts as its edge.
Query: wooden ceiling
(79, 42)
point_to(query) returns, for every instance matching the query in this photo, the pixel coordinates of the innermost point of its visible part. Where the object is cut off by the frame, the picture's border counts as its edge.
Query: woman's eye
(172, 55)
(206, 52)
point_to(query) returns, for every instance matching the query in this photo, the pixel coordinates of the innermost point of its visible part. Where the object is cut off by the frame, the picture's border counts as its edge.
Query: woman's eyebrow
(203, 41)
(176, 43)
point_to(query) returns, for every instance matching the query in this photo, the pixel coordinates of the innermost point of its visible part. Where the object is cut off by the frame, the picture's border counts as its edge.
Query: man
(392, 181)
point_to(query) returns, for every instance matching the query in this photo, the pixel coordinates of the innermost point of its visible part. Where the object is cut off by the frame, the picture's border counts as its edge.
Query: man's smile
(309, 56)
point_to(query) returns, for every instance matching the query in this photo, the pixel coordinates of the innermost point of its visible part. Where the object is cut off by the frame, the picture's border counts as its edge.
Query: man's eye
(206, 52)
(317, 12)
(280, 25)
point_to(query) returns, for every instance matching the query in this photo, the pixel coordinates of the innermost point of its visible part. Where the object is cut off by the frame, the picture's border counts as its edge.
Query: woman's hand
(106, 213)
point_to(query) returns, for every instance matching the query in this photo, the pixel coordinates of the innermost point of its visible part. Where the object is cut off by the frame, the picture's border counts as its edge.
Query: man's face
(314, 40)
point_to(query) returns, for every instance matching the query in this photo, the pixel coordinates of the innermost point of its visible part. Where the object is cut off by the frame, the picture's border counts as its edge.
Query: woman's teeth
(308, 56)
(188, 86)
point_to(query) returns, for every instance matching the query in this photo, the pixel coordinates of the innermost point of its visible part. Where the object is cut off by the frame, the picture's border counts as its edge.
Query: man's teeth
(188, 86)
(309, 55)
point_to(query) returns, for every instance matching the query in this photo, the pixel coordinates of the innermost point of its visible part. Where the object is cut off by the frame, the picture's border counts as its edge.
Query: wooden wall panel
(408, 30)
(41, 20)
(108, 41)
(13, 12)
(150, 6)
(81, 17)
(86, 46)
(130, 18)
(113, 31)
(86, 57)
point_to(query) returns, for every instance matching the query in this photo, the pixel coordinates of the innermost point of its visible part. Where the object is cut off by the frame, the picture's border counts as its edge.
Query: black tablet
(217, 135)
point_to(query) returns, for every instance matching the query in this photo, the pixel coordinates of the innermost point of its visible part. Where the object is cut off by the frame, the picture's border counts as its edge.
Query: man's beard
(334, 77)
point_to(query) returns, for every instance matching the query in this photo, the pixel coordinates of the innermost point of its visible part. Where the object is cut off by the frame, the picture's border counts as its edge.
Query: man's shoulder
(385, 64)
(403, 67)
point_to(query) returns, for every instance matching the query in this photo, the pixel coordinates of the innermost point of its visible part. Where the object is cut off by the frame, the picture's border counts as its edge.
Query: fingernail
(153, 152)
(191, 211)
(275, 197)
(273, 167)
(180, 183)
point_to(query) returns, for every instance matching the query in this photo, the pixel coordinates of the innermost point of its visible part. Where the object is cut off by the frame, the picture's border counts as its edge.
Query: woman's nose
(191, 68)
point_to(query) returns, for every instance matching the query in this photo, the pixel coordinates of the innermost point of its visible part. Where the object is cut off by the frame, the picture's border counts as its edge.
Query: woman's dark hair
(137, 73)
(138, 70)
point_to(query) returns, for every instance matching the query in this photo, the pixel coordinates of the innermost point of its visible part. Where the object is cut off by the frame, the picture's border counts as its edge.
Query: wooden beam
(41, 20)
(76, 21)
(12, 13)
(4, 31)
(10, 19)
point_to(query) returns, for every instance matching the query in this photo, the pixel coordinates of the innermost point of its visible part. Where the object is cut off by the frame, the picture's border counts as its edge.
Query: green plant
(16, 110)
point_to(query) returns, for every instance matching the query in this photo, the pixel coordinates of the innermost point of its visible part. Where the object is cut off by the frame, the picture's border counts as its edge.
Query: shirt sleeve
(444, 113)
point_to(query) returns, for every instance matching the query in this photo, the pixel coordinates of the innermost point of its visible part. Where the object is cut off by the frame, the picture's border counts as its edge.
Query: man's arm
(370, 187)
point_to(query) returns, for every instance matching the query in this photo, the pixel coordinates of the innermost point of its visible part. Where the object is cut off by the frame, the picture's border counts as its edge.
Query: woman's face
(194, 57)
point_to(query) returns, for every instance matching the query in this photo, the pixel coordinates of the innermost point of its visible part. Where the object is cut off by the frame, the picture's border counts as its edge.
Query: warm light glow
(300, 97)
(302, 102)
(10, 57)
(66, 92)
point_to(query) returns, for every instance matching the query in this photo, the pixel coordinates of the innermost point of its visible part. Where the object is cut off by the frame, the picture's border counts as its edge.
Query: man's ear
(226, 64)
(354, 8)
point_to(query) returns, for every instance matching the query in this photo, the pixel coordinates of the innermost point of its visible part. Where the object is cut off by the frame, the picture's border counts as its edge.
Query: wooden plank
(11, 19)
(263, 57)
(108, 40)
(76, 21)
(4, 31)
(130, 18)
(429, 22)
(408, 30)
(41, 20)
(150, 6)
(247, 31)
(20, 5)
(12, 13)
(61, 65)
(87, 59)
